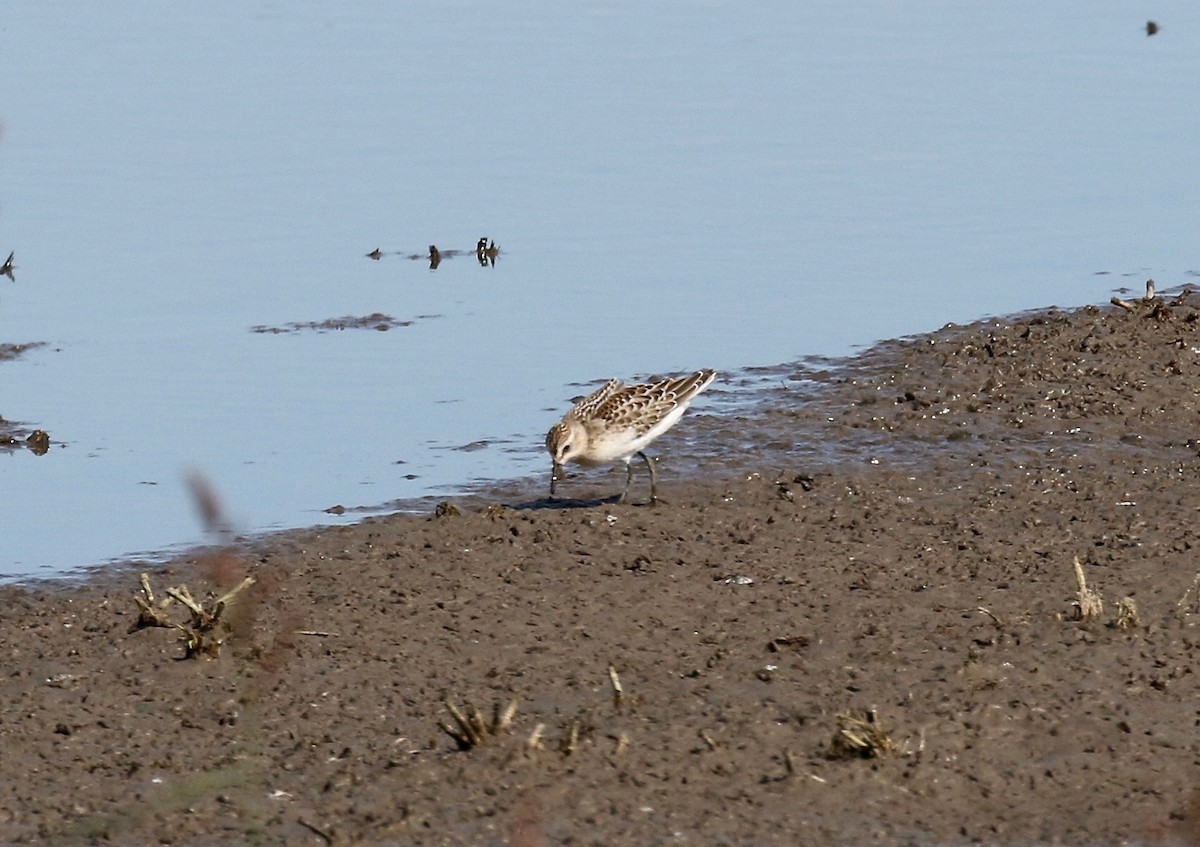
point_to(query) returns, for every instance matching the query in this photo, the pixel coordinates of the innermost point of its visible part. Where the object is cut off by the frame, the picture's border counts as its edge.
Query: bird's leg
(628, 481)
(653, 477)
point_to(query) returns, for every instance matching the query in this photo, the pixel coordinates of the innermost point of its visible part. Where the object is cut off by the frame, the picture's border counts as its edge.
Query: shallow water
(671, 186)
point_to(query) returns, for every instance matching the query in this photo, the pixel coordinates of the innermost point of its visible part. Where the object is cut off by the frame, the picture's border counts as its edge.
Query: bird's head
(564, 441)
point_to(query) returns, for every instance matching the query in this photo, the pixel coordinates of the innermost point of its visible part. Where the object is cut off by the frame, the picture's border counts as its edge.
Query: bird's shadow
(560, 503)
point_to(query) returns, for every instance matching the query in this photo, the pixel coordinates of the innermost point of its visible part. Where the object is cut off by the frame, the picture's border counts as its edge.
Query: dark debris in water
(11, 351)
(486, 252)
(376, 321)
(13, 435)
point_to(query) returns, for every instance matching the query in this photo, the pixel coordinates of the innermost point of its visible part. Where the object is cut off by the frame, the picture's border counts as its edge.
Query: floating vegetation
(11, 438)
(376, 320)
(14, 436)
(11, 351)
(486, 252)
(38, 442)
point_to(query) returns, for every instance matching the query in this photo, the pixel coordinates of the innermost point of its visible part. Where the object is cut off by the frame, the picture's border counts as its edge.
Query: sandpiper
(616, 422)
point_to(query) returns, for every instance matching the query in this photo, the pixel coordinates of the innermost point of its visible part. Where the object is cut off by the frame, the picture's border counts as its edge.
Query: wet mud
(946, 592)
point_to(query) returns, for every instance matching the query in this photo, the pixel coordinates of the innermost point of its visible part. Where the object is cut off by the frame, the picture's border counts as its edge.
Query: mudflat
(945, 592)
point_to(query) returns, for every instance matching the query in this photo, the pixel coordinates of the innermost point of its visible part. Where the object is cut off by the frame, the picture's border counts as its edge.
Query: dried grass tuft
(861, 737)
(1127, 614)
(471, 730)
(1088, 604)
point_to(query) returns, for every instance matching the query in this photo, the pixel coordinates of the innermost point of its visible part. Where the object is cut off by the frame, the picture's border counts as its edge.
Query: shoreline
(858, 618)
(696, 450)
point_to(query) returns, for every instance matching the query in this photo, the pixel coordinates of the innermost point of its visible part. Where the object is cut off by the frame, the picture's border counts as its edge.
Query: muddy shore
(857, 619)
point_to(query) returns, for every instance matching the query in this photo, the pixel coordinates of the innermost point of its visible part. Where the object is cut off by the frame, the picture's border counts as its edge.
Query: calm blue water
(673, 185)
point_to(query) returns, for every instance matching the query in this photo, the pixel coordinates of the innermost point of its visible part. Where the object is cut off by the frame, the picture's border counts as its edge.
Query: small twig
(707, 739)
(146, 590)
(789, 762)
(502, 721)
(151, 612)
(1127, 306)
(150, 615)
(571, 743)
(185, 597)
(316, 632)
(1194, 588)
(315, 830)
(466, 736)
(999, 623)
(618, 691)
(535, 738)
(1089, 604)
(229, 595)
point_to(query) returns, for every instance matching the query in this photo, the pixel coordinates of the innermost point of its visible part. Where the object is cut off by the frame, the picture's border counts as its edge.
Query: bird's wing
(588, 406)
(643, 407)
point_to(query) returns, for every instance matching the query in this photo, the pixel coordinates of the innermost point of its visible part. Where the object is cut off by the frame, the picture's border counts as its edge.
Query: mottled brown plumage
(617, 421)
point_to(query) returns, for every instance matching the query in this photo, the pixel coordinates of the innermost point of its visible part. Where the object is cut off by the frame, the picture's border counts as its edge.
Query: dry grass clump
(1088, 604)
(1127, 615)
(199, 633)
(471, 730)
(860, 737)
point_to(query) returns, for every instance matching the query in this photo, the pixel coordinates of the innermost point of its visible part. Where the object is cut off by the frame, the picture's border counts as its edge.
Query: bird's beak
(556, 472)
